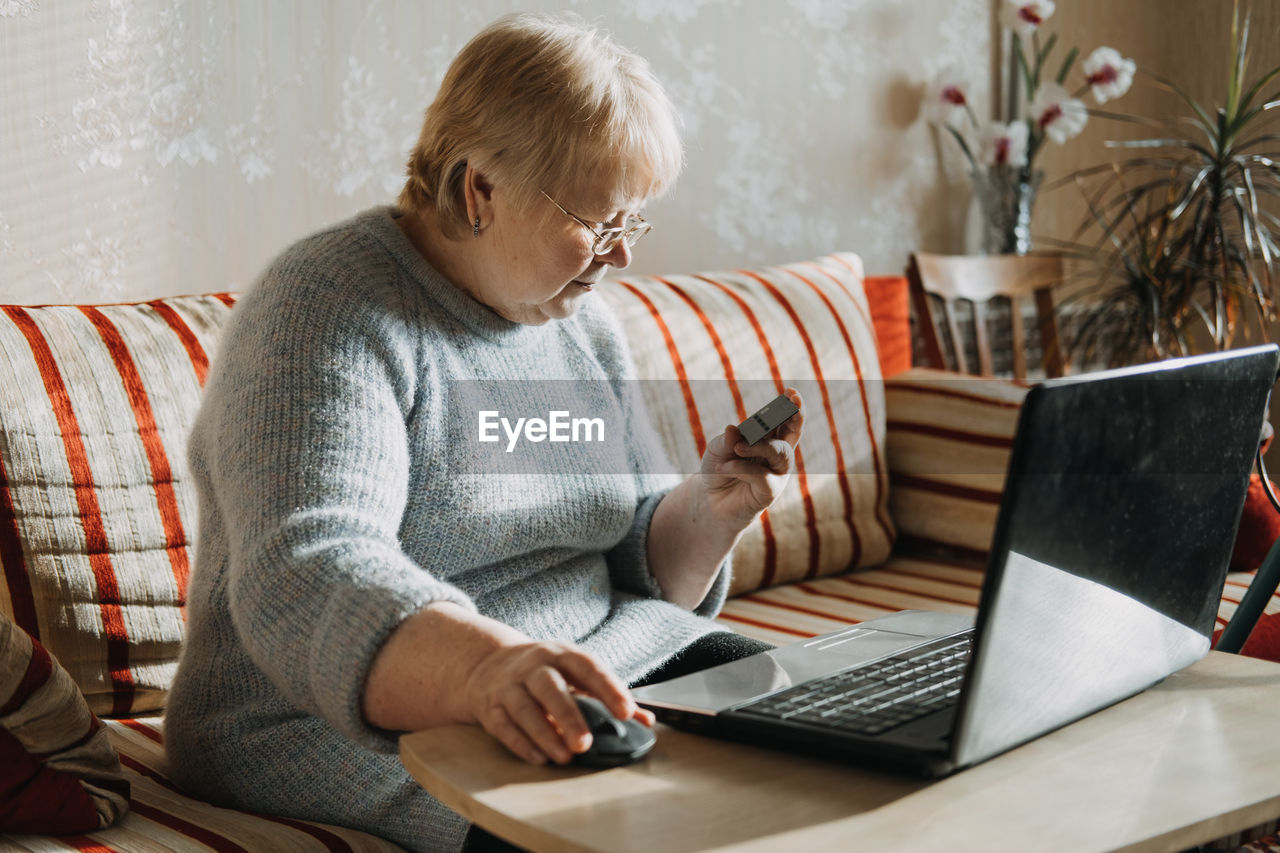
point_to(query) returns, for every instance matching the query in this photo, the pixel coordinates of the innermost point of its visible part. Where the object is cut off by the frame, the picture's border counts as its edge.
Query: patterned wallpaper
(153, 147)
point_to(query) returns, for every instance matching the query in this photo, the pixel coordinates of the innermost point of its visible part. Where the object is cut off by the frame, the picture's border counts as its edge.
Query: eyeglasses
(632, 229)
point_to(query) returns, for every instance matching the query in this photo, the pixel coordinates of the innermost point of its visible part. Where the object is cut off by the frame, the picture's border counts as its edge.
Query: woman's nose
(619, 257)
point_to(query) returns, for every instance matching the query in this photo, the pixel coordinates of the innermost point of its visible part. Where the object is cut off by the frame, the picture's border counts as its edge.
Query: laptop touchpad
(730, 684)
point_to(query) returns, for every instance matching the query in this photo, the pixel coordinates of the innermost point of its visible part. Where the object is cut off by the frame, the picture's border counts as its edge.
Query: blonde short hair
(543, 104)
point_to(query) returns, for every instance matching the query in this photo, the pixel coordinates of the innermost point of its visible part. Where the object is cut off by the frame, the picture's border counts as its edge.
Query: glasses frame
(631, 230)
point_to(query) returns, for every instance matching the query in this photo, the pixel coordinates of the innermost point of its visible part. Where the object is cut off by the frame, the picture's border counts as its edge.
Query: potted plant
(1186, 247)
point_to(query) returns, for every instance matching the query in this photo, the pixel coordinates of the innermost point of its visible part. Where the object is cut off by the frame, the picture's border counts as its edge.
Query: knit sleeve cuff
(347, 635)
(629, 562)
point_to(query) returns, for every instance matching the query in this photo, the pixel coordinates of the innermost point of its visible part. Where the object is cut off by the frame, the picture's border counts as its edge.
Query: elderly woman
(354, 577)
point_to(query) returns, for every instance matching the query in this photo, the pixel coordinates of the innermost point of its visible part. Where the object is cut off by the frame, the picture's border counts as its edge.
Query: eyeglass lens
(606, 241)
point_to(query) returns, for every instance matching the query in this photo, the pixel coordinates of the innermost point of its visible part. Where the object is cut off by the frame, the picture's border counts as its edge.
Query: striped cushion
(721, 345)
(95, 405)
(785, 614)
(949, 438)
(805, 609)
(58, 771)
(161, 818)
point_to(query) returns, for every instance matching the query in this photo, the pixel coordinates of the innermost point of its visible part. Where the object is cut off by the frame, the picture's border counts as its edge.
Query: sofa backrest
(97, 514)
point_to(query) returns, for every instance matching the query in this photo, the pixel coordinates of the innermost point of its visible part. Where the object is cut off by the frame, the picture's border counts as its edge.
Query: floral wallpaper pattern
(152, 147)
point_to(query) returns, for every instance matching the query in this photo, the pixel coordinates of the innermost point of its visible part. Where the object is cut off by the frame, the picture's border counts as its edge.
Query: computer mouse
(613, 742)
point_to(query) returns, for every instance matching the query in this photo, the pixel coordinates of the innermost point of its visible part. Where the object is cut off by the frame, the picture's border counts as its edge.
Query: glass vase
(1006, 195)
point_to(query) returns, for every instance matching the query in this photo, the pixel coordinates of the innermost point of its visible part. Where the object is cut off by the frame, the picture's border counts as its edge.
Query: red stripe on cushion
(1001, 441)
(199, 358)
(766, 523)
(38, 670)
(810, 519)
(691, 407)
(143, 770)
(925, 576)
(770, 569)
(866, 602)
(891, 588)
(21, 597)
(227, 299)
(96, 545)
(733, 617)
(716, 342)
(795, 608)
(197, 833)
(914, 388)
(880, 509)
(331, 841)
(756, 326)
(924, 484)
(143, 729)
(175, 538)
(85, 844)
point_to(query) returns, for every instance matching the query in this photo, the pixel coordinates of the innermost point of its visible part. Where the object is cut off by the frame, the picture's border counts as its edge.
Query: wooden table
(1192, 759)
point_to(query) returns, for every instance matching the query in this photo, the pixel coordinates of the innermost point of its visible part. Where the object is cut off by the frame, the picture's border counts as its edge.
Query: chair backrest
(939, 283)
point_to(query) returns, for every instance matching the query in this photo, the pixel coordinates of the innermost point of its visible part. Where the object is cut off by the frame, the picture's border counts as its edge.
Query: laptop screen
(1119, 514)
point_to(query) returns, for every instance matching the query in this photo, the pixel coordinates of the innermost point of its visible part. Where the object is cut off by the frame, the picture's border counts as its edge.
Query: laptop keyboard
(875, 698)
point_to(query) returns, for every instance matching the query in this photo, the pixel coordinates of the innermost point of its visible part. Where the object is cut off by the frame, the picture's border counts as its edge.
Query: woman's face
(541, 259)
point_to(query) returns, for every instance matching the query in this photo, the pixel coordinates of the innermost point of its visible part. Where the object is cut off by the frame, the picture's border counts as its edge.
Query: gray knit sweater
(338, 495)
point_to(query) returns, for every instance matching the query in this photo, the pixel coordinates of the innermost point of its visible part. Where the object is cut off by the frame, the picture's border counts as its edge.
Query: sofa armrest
(947, 445)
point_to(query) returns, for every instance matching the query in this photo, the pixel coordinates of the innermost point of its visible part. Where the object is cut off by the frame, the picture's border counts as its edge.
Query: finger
(499, 724)
(776, 455)
(790, 431)
(551, 691)
(779, 457)
(590, 676)
(530, 717)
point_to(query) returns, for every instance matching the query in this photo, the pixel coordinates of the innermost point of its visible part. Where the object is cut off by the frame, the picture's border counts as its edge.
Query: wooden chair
(939, 283)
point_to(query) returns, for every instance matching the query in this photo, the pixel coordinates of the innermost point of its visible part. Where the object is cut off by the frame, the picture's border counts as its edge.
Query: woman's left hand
(742, 480)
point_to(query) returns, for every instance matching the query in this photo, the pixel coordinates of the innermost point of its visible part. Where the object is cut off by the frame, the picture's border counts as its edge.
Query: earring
(475, 230)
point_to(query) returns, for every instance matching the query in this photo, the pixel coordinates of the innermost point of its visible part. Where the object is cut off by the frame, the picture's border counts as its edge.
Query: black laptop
(1119, 513)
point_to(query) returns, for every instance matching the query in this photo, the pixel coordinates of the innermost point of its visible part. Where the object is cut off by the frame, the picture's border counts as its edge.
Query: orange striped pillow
(711, 349)
(95, 406)
(949, 439)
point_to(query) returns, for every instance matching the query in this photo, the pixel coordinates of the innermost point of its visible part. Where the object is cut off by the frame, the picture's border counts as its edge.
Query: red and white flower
(1057, 114)
(946, 100)
(1005, 144)
(1024, 17)
(1108, 74)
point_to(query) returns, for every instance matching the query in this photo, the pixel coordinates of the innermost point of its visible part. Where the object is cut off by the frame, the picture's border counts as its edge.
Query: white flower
(1004, 144)
(1058, 114)
(1025, 16)
(946, 100)
(1108, 74)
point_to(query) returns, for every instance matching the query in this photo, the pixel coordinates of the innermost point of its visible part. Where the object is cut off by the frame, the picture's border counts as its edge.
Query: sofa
(892, 506)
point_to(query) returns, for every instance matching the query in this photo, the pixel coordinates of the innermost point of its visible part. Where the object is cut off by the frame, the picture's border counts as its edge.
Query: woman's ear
(478, 190)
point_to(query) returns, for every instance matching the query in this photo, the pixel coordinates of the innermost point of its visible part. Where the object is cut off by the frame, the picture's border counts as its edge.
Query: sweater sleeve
(629, 560)
(303, 433)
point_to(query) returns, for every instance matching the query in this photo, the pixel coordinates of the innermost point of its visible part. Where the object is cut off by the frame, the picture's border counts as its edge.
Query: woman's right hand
(447, 664)
(522, 694)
